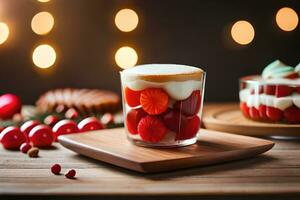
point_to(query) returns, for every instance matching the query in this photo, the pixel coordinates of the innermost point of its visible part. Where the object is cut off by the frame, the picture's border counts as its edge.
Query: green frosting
(297, 69)
(277, 69)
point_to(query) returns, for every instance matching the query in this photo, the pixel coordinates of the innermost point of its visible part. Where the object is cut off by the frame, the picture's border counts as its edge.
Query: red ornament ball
(10, 104)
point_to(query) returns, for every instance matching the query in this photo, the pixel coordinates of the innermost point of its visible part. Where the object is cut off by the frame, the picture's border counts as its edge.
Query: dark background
(189, 32)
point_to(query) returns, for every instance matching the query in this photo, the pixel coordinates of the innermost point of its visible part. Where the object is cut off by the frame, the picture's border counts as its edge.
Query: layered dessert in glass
(162, 104)
(273, 96)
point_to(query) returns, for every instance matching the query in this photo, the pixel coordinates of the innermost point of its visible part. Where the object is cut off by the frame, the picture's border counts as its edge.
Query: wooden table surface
(275, 173)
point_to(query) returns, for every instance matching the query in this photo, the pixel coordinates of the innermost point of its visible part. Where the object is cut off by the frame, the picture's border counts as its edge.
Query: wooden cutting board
(112, 146)
(228, 118)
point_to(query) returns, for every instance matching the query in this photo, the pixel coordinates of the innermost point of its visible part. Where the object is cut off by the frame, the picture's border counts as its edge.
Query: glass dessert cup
(273, 101)
(162, 104)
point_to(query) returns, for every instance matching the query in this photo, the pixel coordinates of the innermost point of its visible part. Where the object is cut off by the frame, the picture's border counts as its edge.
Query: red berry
(260, 90)
(283, 90)
(151, 129)
(10, 104)
(190, 129)
(51, 120)
(41, 136)
(274, 114)
(71, 114)
(154, 100)
(262, 109)
(245, 109)
(90, 124)
(25, 147)
(191, 105)
(28, 126)
(269, 89)
(292, 114)
(132, 97)
(133, 118)
(107, 118)
(70, 174)
(174, 121)
(254, 113)
(55, 169)
(12, 138)
(63, 127)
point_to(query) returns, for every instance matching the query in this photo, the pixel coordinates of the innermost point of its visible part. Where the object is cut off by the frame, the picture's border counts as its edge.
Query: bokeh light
(44, 56)
(126, 57)
(126, 20)
(287, 19)
(4, 32)
(43, 1)
(42, 23)
(242, 32)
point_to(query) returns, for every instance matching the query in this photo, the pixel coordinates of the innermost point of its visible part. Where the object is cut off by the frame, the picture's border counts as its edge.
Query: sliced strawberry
(269, 89)
(245, 109)
(151, 129)
(190, 129)
(191, 105)
(184, 127)
(254, 113)
(274, 114)
(292, 114)
(260, 90)
(132, 97)
(133, 118)
(154, 100)
(283, 90)
(262, 109)
(293, 75)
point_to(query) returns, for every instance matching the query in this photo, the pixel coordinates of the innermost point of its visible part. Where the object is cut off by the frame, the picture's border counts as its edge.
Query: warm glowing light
(287, 19)
(126, 20)
(44, 56)
(126, 57)
(4, 32)
(42, 23)
(242, 32)
(43, 1)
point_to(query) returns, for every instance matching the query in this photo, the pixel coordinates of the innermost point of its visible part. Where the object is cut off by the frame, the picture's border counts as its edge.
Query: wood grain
(112, 146)
(275, 173)
(228, 118)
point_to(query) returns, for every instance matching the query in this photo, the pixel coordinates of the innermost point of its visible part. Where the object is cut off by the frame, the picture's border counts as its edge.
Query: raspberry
(151, 129)
(24, 148)
(274, 114)
(55, 169)
(70, 174)
(154, 101)
(292, 114)
(245, 109)
(133, 118)
(191, 105)
(283, 90)
(132, 97)
(254, 113)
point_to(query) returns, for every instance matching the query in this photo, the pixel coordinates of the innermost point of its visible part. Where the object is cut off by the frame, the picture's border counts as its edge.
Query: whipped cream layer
(179, 81)
(282, 103)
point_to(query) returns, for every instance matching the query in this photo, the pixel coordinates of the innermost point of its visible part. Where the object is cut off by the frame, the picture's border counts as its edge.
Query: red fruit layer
(283, 91)
(269, 89)
(133, 118)
(132, 97)
(263, 112)
(274, 114)
(184, 127)
(292, 114)
(151, 129)
(254, 113)
(191, 105)
(245, 109)
(154, 100)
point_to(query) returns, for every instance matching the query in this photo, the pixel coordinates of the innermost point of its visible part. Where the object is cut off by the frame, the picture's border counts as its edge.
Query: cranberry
(63, 127)
(28, 126)
(51, 120)
(24, 148)
(55, 169)
(41, 136)
(12, 138)
(107, 118)
(90, 124)
(71, 114)
(70, 174)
